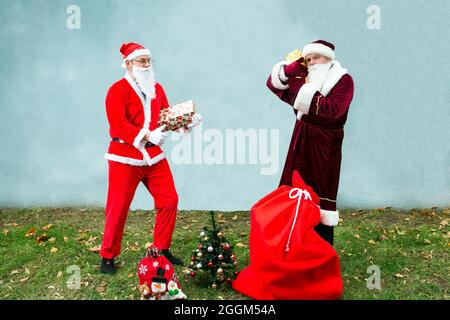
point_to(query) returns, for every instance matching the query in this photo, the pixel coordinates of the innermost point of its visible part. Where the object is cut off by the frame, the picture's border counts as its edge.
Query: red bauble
(200, 246)
(229, 281)
(193, 258)
(236, 273)
(210, 264)
(226, 247)
(192, 274)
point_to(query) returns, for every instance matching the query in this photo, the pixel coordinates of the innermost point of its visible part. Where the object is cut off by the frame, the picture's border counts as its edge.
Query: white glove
(196, 119)
(157, 136)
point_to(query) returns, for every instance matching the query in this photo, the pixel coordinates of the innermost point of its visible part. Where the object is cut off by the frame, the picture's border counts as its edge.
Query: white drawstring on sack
(296, 193)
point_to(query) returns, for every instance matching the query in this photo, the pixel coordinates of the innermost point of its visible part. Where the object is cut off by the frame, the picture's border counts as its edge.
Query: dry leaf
(52, 240)
(234, 218)
(426, 241)
(240, 245)
(30, 232)
(357, 236)
(59, 275)
(399, 275)
(41, 238)
(47, 227)
(371, 242)
(13, 272)
(100, 289)
(5, 232)
(27, 271)
(13, 224)
(222, 221)
(24, 279)
(65, 238)
(406, 219)
(54, 250)
(383, 237)
(130, 275)
(95, 249)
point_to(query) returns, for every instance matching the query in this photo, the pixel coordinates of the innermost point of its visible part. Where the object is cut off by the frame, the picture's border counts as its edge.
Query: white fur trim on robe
(329, 217)
(304, 97)
(139, 141)
(277, 72)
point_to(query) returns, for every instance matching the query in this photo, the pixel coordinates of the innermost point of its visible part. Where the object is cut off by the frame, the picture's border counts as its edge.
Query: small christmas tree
(215, 256)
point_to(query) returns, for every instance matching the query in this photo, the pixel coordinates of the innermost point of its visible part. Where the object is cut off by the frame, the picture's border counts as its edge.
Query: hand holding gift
(179, 116)
(296, 65)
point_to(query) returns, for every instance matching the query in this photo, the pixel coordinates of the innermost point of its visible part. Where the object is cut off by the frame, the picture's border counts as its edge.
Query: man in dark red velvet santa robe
(320, 92)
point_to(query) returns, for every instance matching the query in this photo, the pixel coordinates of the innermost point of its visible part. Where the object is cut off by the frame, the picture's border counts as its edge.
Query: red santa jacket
(130, 117)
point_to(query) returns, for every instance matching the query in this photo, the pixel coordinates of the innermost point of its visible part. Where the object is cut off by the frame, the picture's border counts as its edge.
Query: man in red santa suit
(133, 105)
(320, 92)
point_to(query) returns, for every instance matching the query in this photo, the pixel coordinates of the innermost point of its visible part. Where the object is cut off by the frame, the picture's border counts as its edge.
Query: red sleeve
(336, 103)
(119, 127)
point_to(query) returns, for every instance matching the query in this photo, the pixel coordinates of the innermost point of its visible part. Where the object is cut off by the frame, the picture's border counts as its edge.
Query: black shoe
(108, 266)
(171, 258)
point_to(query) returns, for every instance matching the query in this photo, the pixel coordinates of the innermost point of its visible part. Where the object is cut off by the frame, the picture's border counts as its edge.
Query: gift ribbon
(296, 193)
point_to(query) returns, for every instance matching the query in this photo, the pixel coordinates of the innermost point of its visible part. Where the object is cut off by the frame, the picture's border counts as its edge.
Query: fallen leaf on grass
(357, 236)
(30, 233)
(59, 275)
(41, 238)
(27, 271)
(371, 242)
(426, 241)
(240, 245)
(47, 227)
(13, 272)
(399, 275)
(222, 221)
(5, 232)
(52, 240)
(54, 250)
(234, 218)
(95, 249)
(24, 279)
(12, 224)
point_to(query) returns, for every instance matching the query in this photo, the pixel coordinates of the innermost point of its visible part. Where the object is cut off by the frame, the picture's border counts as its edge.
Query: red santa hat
(321, 47)
(132, 50)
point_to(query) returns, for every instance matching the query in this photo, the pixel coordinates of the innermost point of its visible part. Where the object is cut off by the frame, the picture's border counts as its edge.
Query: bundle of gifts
(157, 279)
(177, 116)
(288, 259)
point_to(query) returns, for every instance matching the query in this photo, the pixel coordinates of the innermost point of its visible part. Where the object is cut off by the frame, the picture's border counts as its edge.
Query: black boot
(171, 258)
(108, 266)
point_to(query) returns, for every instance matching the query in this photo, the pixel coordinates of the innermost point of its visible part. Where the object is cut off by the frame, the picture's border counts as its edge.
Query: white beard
(145, 79)
(318, 73)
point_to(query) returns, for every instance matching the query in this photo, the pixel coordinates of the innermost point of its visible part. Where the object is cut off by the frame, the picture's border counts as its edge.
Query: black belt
(147, 145)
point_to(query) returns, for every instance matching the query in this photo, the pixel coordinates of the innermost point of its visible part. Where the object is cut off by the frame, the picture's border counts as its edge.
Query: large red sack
(288, 259)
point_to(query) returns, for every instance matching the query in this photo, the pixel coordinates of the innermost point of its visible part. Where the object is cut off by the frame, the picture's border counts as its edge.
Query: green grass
(410, 247)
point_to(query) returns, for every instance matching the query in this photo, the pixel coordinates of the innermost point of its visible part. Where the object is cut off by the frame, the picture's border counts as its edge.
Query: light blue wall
(53, 82)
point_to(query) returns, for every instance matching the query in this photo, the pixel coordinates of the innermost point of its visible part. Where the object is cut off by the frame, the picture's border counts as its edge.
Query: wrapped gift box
(177, 116)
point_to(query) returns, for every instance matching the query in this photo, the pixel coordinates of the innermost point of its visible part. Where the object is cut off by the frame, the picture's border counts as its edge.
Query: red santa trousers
(123, 181)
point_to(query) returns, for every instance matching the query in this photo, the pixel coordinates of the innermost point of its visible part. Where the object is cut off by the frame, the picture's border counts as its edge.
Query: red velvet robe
(315, 148)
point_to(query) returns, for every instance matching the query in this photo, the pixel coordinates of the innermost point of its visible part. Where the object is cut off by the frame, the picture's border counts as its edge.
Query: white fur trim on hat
(329, 218)
(136, 53)
(318, 48)
(277, 75)
(304, 97)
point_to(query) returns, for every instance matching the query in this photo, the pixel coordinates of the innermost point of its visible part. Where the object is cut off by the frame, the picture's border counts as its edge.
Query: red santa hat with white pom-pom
(321, 47)
(132, 50)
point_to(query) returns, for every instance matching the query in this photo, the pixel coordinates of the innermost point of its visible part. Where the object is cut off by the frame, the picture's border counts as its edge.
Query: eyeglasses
(143, 61)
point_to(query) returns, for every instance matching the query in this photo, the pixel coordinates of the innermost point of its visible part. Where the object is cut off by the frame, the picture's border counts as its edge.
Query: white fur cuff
(277, 72)
(138, 142)
(304, 97)
(329, 218)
